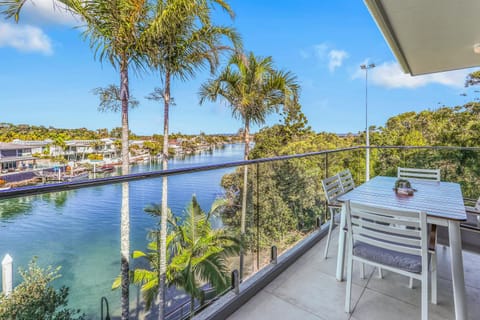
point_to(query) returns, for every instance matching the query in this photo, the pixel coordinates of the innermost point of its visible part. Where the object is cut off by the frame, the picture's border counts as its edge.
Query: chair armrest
(334, 203)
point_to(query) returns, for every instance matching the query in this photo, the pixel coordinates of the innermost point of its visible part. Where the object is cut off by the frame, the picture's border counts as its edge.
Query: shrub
(35, 298)
(95, 156)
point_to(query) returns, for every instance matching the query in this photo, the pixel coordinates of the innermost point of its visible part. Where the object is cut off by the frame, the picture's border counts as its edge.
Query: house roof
(13, 146)
(429, 35)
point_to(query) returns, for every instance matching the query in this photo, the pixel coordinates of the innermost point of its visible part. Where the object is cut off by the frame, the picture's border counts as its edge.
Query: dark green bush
(36, 298)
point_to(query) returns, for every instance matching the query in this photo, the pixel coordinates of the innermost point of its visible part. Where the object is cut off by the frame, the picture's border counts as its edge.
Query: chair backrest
(423, 174)
(332, 187)
(346, 180)
(403, 231)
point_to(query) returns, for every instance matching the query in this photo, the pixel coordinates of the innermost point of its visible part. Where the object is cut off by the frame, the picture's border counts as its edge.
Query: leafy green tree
(36, 298)
(60, 143)
(153, 147)
(253, 89)
(473, 79)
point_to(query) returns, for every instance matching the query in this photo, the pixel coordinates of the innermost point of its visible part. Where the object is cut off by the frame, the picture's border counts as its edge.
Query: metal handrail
(64, 186)
(40, 189)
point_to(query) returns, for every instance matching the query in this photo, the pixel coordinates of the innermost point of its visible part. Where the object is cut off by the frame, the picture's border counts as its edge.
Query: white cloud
(325, 55)
(25, 38)
(320, 51)
(47, 11)
(390, 75)
(336, 58)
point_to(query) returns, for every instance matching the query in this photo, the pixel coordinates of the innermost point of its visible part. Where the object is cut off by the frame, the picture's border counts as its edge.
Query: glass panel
(288, 204)
(80, 229)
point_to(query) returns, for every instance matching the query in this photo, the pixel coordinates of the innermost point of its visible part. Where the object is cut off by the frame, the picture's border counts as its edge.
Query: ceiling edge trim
(378, 13)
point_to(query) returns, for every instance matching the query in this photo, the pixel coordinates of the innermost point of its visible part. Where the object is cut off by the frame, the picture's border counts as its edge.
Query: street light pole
(367, 131)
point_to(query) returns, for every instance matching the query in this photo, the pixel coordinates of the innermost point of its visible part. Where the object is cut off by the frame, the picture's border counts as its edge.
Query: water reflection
(11, 208)
(18, 207)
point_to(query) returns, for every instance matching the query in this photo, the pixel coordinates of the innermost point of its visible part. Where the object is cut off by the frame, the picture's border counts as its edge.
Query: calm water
(80, 229)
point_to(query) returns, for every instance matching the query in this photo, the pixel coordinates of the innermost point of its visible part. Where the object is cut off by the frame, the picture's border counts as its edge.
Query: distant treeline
(10, 132)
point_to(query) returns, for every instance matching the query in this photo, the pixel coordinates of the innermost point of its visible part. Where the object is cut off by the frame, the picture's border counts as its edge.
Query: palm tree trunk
(246, 138)
(192, 306)
(125, 212)
(163, 220)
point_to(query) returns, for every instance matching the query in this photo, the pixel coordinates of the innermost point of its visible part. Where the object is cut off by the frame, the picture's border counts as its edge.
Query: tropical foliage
(253, 89)
(198, 255)
(36, 298)
(9, 132)
(284, 201)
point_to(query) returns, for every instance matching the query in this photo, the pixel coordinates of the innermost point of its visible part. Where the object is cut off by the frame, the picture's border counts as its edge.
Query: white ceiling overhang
(429, 36)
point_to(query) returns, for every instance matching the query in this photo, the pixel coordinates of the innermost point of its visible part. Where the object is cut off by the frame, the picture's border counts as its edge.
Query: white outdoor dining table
(443, 203)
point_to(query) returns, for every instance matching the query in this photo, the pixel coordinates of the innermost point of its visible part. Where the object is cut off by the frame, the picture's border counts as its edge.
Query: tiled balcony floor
(308, 290)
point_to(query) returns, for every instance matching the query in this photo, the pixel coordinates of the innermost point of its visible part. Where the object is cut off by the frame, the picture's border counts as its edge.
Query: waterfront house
(15, 156)
(80, 149)
(38, 147)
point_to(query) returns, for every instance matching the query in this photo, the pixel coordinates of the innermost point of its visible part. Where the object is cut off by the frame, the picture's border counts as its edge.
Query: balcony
(285, 207)
(308, 290)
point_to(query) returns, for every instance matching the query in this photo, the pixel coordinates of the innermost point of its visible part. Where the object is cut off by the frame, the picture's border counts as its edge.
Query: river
(80, 230)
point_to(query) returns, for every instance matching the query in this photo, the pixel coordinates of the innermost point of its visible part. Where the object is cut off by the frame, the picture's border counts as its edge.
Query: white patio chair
(379, 236)
(422, 174)
(473, 216)
(346, 180)
(332, 188)
(348, 184)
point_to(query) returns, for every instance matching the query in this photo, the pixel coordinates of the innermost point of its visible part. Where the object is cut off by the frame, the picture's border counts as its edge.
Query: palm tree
(253, 89)
(116, 31)
(60, 144)
(180, 50)
(197, 255)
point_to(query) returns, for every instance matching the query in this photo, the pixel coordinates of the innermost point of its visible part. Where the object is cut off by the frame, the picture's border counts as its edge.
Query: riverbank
(52, 172)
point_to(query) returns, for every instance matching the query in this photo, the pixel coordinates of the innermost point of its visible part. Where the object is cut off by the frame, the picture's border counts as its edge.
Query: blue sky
(48, 72)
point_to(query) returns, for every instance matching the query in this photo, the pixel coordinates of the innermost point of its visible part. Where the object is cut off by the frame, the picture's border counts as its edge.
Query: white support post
(7, 274)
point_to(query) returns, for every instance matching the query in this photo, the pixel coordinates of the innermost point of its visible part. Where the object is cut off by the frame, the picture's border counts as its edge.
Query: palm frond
(12, 8)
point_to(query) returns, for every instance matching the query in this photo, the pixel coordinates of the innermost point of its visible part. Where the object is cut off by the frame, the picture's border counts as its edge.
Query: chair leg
(425, 301)
(362, 271)
(380, 273)
(410, 283)
(349, 282)
(433, 277)
(329, 235)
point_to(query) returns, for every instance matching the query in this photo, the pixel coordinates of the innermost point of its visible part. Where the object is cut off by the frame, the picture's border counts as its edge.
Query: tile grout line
(297, 306)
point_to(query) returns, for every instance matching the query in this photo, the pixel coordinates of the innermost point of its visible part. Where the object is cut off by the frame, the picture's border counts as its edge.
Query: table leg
(458, 280)
(341, 245)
